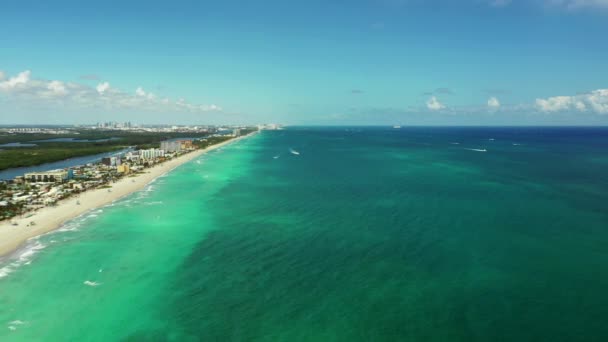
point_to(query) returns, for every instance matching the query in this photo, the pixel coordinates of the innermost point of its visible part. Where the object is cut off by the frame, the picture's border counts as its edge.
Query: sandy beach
(51, 218)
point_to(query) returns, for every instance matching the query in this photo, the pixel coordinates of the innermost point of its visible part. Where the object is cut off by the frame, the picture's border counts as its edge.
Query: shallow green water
(367, 234)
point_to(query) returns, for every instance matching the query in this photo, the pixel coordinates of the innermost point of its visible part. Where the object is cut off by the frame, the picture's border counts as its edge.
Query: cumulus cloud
(595, 101)
(79, 96)
(493, 103)
(57, 88)
(598, 100)
(102, 87)
(140, 92)
(15, 82)
(434, 104)
(2, 75)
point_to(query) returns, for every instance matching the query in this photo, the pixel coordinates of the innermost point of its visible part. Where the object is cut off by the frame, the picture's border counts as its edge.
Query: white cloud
(434, 104)
(581, 107)
(596, 100)
(25, 90)
(15, 82)
(57, 88)
(210, 108)
(554, 104)
(493, 103)
(2, 75)
(140, 92)
(102, 87)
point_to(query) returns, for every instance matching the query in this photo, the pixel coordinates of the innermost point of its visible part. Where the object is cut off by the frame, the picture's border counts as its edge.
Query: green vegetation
(127, 138)
(46, 152)
(206, 142)
(51, 151)
(18, 157)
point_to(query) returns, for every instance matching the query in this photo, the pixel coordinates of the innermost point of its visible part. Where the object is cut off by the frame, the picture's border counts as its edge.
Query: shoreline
(51, 218)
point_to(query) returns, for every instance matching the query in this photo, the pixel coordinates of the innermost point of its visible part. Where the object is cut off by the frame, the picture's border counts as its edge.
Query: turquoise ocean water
(368, 234)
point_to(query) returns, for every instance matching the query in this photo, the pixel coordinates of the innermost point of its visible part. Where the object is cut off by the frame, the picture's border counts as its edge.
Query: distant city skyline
(368, 62)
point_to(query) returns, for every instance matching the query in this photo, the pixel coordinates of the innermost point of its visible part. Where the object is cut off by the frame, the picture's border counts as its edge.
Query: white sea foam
(477, 149)
(455, 143)
(29, 252)
(21, 257)
(70, 227)
(4, 271)
(91, 283)
(75, 223)
(26, 254)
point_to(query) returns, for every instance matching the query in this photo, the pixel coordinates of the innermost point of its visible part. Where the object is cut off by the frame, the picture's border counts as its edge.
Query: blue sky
(469, 62)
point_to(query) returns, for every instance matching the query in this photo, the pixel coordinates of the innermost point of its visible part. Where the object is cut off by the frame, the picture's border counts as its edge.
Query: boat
(396, 126)
(294, 152)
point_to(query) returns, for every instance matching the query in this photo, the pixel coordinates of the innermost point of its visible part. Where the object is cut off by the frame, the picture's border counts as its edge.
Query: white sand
(51, 218)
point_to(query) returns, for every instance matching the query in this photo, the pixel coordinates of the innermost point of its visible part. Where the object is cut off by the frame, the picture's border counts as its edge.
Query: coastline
(51, 218)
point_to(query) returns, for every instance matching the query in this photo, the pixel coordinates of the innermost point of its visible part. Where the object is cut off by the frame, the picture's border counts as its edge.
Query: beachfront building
(132, 156)
(186, 144)
(152, 153)
(110, 161)
(236, 132)
(123, 168)
(48, 176)
(170, 146)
